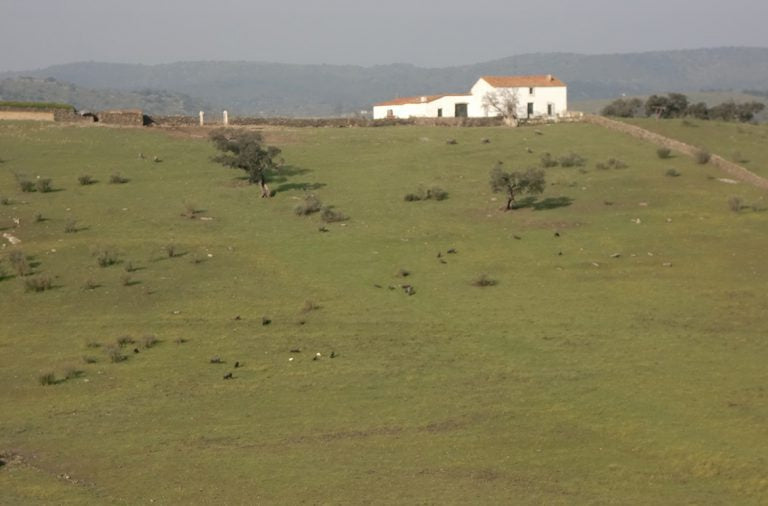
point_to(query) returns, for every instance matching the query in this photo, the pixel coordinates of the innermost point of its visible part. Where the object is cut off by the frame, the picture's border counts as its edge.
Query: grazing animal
(486, 140)
(334, 354)
(141, 156)
(216, 360)
(156, 159)
(135, 350)
(557, 234)
(265, 321)
(439, 254)
(237, 317)
(228, 376)
(451, 251)
(237, 364)
(11, 239)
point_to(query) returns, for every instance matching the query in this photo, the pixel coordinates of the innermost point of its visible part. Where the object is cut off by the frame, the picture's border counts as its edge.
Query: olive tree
(245, 150)
(504, 102)
(516, 183)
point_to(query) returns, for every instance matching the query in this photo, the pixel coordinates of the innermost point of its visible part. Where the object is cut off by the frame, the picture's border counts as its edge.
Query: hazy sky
(37, 33)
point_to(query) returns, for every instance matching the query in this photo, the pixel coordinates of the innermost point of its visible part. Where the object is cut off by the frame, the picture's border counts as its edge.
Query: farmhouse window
(440, 112)
(530, 91)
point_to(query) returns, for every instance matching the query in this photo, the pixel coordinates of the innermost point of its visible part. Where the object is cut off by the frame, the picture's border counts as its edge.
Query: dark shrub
(85, 180)
(43, 185)
(90, 284)
(547, 161)
(663, 153)
(437, 193)
(118, 179)
(483, 280)
(171, 250)
(701, 156)
(38, 283)
(106, 257)
(19, 262)
(672, 173)
(126, 279)
(610, 164)
(412, 197)
(451, 141)
(623, 108)
(5, 201)
(26, 186)
(47, 379)
(149, 341)
(735, 204)
(39, 218)
(89, 360)
(125, 341)
(115, 354)
(330, 215)
(310, 205)
(572, 160)
(70, 227)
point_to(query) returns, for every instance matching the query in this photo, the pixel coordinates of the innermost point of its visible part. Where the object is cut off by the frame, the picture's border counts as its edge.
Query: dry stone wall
(734, 170)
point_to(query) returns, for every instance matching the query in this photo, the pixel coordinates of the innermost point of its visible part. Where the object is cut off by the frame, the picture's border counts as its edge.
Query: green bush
(310, 205)
(611, 163)
(483, 280)
(115, 354)
(736, 204)
(20, 263)
(672, 173)
(85, 180)
(43, 185)
(47, 378)
(663, 153)
(118, 179)
(70, 227)
(548, 161)
(38, 283)
(26, 185)
(330, 215)
(106, 257)
(572, 160)
(702, 156)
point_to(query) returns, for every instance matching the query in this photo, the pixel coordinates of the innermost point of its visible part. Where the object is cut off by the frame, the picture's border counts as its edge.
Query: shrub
(92, 344)
(5, 201)
(572, 160)
(124, 341)
(437, 193)
(39, 218)
(330, 215)
(115, 354)
(43, 185)
(451, 141)
(547, 161)
(149, 341)
(171, 250)
(106, 257)
(412, 197)
(739, 158)
(701, 156)
(47, 378)
(129, 267)
(672, 173)
(403, 273)
(26, 186)
(126, 279)
(309, 306)
(310, 205)
(72, 373)
(85, 180)
(90, 284)
(197, 258)
(89, 359)
(735, 204)
(19, 262)
(611, 163)
(116, 178)
(190, 211)
(38, 283)
(70, 227)
(663, 153)
(483, 280)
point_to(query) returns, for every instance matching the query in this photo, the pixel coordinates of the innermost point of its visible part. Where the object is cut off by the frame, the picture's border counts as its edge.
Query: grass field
(621, 362)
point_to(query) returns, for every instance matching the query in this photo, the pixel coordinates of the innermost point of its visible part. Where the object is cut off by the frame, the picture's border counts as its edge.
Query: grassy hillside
(249, 88)
(742, 143)
(620, 361)
(27, 89)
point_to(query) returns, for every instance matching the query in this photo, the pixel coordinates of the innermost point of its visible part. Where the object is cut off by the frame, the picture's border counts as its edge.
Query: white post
(226, 118)
(202, 118)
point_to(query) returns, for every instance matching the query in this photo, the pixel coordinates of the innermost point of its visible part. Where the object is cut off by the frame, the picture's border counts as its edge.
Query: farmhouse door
(461, 111)
(530, 109)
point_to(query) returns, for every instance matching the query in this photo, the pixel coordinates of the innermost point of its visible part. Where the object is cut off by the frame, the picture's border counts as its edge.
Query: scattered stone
(206, 218)
(265, 321)
(451, 141)
(616, 255)
(290, 359)
(636, 221)
(334, 354)
(295, 350)
(595, 264)
(408, 289)
(727, 181)
(485, 140)
(667, 264)
(238, 318)
(643, 204)
(557, 234)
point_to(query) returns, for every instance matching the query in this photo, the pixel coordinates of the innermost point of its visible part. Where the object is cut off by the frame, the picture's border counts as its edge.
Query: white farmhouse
(542, 96)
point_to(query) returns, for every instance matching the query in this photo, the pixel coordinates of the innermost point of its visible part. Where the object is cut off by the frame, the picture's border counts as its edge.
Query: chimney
(423, 99)
(550, 78)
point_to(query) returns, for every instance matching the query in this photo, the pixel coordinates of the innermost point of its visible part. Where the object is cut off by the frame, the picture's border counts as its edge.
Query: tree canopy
(245, 150)
(516, 183)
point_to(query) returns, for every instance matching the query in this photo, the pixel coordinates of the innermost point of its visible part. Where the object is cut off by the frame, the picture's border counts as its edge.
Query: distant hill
(31, 89)
(324, 90)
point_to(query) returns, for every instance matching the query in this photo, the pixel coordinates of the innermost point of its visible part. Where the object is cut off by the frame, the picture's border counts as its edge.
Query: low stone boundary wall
(37, 115)
(732, 169)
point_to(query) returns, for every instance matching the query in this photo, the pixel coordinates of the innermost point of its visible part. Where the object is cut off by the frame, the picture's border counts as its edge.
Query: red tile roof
(411, 100)
(522, 81)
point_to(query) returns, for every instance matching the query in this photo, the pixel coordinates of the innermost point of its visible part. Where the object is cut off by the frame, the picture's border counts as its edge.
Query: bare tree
(503, 101)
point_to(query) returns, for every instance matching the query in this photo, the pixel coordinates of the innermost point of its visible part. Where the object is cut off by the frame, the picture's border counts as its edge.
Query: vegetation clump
(663, 153)
(106, 256)
(116, 178)
(310, 205)
(702, 156)
(672, 173)
(330, 215)
(572, 160)
(516, 183)
(38, 283)
(484, 280)
(548, 161)
(431, 193)
(43, 185)
(245, 150)
(611, 164)
(85, 180)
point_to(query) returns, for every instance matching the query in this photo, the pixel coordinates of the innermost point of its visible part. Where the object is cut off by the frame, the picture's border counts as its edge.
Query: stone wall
(734, 170)
(42, 114)
(124, 117)
(36, 115)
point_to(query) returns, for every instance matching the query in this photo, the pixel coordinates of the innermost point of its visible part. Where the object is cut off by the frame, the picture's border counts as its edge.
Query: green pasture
(620, 358)
(742, 143)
